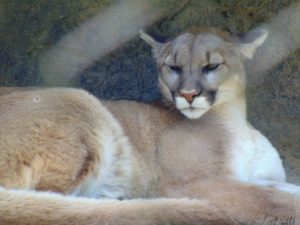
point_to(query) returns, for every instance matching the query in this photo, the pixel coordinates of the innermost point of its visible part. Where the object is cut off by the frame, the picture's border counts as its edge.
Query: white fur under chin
(192, 111)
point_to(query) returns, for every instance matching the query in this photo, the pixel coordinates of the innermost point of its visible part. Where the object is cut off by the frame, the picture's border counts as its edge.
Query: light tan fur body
(66, 141)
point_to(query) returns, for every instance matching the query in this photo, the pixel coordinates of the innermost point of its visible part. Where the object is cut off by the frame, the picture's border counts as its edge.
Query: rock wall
(28, 28)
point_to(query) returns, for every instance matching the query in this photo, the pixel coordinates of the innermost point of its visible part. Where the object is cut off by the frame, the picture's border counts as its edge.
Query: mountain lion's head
(199, 71)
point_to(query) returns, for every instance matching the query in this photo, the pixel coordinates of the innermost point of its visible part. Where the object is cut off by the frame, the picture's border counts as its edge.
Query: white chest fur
(253, 158)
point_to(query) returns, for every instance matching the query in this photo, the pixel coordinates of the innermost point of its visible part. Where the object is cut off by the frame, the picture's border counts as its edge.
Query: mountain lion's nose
(189, 95)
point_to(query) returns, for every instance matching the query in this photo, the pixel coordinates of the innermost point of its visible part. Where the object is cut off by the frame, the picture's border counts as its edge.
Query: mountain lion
(67, 158)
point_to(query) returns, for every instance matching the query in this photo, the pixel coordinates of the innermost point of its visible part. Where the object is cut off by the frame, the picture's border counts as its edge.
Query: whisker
(168, 103)
(171, 109)
(220, 91)
(152, 92)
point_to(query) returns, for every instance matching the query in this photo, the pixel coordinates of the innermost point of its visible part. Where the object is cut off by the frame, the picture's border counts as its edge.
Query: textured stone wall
(28, 28)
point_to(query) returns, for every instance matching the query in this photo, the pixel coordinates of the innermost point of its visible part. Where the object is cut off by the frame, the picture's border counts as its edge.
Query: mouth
(193, 113)
(192, 110)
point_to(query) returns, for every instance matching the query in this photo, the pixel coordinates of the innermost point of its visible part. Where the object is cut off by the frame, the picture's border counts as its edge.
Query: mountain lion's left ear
(252, 41)
(156, 46)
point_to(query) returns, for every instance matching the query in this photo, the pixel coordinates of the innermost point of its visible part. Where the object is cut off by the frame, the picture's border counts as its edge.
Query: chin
(193, 113)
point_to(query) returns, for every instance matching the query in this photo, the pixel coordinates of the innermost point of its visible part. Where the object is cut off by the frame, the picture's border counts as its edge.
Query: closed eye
(210, 67)
(176, 69)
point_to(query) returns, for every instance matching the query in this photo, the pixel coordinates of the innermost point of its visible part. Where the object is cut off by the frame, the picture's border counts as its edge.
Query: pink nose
(189, 95)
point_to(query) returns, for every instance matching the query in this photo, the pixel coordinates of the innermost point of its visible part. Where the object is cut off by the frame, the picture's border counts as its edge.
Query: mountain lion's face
(199, 71)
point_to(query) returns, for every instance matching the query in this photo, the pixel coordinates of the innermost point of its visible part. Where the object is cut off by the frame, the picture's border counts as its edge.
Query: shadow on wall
(94, 39)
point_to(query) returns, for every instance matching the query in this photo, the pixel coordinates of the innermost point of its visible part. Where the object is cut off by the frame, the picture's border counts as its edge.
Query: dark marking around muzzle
(211, 96)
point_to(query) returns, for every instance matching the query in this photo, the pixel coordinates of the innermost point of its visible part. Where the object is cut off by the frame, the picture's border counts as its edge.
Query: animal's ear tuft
(252, 41)
(156, 46)
(147, 38)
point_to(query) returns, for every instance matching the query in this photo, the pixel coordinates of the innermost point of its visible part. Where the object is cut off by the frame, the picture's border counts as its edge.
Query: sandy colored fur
(51, 149)
(63, 152)
(76, 211)
(56, 147)
(225, 201)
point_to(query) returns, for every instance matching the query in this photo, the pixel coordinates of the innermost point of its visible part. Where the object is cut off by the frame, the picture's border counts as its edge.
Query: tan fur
(66, 141)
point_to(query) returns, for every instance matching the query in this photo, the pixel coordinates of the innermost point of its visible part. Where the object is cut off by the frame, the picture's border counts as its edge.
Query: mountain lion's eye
(176, 69)
(210, 67)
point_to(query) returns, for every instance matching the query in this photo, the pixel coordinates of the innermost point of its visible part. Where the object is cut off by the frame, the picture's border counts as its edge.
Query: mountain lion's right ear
(156, 46)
